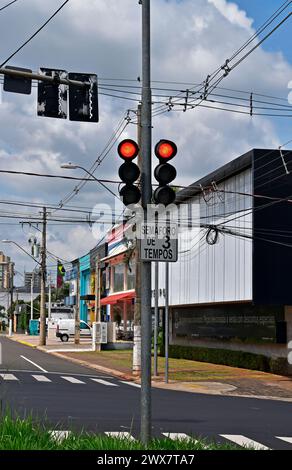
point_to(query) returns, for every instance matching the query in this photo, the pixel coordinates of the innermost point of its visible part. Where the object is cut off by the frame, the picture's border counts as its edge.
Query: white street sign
(158, 242)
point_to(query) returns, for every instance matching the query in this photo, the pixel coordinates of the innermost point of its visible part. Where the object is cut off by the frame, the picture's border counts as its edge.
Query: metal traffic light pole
(146, 191)
(40, 78)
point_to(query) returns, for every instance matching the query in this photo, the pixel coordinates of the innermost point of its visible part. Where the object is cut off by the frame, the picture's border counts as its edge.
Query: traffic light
(164, 173)
(129, 172)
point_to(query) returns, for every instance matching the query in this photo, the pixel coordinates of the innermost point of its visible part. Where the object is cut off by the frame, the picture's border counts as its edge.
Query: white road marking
(36, 365)
(176, 436)
(244, 441)
(121, 435)
(133, 384)
(286, 439)
(59, 436)
(73, 380)
(41, 378)
(8, 377)
(104, 382)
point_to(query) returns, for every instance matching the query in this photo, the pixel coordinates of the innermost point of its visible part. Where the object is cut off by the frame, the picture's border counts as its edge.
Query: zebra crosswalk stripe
(73, 380)
(176, 436)
(133, 384)
(105, 382)
(121, 435)
(41, 378)
(59, 436)
(285, 439)
(8, 377)
(244, 441)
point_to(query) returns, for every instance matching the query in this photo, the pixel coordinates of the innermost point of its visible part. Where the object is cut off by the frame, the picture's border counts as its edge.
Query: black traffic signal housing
(165, 173)
(129, 172)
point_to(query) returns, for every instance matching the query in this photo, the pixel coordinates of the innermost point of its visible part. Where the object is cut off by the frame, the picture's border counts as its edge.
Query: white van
(66, 328)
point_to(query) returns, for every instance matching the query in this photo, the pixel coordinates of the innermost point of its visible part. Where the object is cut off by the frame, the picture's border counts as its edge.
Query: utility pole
(50, 297)
(146, 191)
(42, 340)
(11, 297)
(136, 368)
(97, 315)
(77, 313)
(31, 295)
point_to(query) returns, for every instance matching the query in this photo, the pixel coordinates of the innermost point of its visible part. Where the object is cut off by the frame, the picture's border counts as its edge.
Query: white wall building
(235, 293)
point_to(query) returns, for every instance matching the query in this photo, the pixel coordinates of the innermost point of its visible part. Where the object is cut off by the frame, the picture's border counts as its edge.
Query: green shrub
(226, 357)
(279, 365)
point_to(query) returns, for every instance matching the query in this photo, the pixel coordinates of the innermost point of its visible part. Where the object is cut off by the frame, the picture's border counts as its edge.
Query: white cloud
(189, 40)
(232, 13)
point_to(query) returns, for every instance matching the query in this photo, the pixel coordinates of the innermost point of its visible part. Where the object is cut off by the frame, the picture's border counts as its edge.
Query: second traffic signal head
(129, 172)
(165, 150)
(165, 173)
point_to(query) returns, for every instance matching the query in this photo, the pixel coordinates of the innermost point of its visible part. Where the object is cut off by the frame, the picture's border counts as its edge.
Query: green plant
(278, 365)
(227, 357)
(30, 434)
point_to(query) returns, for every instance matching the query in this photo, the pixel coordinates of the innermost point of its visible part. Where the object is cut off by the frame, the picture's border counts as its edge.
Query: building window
(131, 275)
(118, 278)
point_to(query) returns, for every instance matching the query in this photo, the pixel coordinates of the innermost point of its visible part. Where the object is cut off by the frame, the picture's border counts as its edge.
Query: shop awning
(114, 298)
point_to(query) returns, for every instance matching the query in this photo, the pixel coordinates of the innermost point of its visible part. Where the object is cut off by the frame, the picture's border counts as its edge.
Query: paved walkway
(201, 377)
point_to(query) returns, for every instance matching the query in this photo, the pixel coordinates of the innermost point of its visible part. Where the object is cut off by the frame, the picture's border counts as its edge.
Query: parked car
(66, 328)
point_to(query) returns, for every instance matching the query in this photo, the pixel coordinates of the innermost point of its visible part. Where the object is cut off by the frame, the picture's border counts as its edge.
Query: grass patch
(183, 370)
(28, 434)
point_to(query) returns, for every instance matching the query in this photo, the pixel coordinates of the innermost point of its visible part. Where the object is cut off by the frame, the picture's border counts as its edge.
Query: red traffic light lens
(128, 149)
(165, 150)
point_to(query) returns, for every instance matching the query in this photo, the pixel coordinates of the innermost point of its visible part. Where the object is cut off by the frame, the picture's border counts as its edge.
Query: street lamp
(73, 166)
(22, 249)
(26, 252)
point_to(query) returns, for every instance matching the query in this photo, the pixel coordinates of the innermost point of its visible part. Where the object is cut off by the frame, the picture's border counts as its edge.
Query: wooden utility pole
(42, 340)
(97, 315)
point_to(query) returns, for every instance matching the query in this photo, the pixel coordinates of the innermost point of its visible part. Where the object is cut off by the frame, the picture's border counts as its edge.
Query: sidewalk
(184, 375)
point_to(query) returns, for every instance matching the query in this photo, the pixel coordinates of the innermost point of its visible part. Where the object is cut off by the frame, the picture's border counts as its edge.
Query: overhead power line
(8, 5)
(34, 34)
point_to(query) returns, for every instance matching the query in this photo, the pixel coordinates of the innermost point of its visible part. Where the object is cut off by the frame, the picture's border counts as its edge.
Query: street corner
(210, 388)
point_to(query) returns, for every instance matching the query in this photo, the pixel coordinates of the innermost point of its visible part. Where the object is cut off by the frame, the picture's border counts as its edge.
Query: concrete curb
(175, 386)
(26, 343)
(106, 370)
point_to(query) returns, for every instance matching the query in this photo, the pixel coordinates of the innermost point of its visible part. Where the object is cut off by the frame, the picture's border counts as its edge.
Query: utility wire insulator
(283, 160)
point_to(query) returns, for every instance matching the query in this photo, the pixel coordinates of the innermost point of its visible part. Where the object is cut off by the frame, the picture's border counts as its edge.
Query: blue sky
(280, 41)
(190, 39)
(260, 10)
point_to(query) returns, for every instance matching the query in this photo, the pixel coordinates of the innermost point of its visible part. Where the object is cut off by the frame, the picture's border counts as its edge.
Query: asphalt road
(69, 396)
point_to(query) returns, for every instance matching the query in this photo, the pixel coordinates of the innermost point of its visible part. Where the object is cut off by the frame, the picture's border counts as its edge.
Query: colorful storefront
(120, 280)
(84, 276)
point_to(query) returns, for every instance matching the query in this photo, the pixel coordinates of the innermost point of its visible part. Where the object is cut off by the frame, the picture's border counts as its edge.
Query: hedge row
(242, 359)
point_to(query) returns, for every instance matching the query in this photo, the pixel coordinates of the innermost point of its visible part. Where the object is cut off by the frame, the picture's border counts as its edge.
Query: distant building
(36, 282)
(5, 271)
